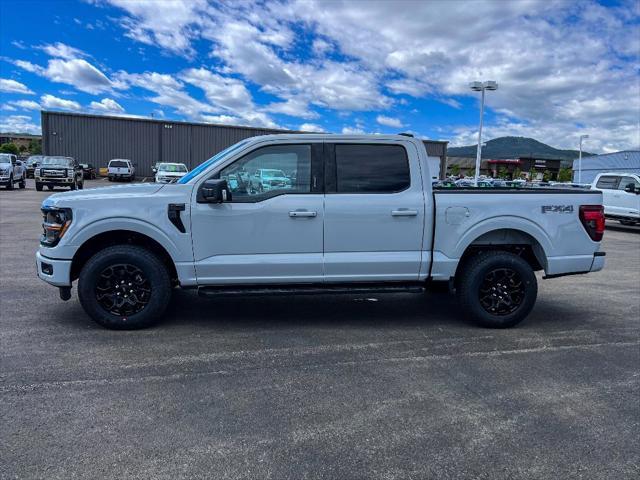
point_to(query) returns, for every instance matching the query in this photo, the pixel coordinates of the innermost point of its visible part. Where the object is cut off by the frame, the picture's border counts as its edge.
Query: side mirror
(631, 188)
(154, 169)
(214, 191)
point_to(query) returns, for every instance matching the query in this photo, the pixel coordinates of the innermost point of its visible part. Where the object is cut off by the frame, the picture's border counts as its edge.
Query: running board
(306, 289)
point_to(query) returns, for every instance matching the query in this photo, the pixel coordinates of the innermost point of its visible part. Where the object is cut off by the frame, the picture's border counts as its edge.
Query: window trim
(331, 175)
(314, 173)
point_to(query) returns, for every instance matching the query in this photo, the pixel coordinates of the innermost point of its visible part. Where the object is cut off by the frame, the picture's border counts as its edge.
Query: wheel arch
(102, 240)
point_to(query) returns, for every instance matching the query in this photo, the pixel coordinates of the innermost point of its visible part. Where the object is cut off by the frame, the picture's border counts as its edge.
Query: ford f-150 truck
(361, 216)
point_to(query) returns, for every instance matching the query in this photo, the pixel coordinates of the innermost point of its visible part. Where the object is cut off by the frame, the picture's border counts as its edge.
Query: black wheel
(498, 289)
(124, 287)
(22, 183)
(72, 186)
(10, 184)
(50, 187)
(80, 185)
(38, 186)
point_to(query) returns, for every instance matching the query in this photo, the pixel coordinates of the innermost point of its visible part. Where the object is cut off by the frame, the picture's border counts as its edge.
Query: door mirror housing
(214, 190)
(631, 188)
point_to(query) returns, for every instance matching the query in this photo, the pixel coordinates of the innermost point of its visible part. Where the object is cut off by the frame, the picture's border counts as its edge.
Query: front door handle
(404, 212)
(302, 213)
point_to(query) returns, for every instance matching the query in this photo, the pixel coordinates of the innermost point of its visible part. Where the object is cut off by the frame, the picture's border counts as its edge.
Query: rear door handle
(302, 213)
(404, 212)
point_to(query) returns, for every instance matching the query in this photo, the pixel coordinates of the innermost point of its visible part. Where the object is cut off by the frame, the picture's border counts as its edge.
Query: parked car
(55, 171)
(88, 171)
(621, 196)
(266, 179)
(12, 171)
(32, 163)
(170, 172)
(361, 219)
(121, 169)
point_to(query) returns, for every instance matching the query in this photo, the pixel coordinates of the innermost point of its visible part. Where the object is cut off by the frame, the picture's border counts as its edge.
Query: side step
(307, 289)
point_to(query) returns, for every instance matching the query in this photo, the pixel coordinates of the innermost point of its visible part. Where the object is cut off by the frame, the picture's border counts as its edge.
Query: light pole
(481, 87)
(582, 137)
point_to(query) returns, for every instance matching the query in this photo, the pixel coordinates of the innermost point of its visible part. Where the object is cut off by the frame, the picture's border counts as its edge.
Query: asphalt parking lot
(335, 387)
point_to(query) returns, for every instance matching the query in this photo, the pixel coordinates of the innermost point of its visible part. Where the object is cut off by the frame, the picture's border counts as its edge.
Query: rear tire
(498, 289)
(108, 272)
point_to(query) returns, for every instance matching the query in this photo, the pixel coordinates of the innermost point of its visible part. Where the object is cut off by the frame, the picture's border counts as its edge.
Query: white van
(620, 196)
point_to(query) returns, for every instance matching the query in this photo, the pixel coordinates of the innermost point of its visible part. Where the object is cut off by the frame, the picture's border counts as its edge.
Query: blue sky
(564, 68)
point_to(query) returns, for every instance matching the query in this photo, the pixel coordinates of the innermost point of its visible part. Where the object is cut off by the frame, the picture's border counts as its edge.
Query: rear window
(371, 168)
(608, 182)
(118, 163)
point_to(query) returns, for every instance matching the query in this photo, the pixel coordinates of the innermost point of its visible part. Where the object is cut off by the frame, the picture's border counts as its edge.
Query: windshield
(273, 173)
(173, 167)
(5, 158)
(57, 161)
(216, 158)
(34, 159)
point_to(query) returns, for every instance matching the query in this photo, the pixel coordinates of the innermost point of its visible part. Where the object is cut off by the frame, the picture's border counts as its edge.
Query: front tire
(498, 289)
(124, 287)
(38, 187)
(23, 183)
(10, 184)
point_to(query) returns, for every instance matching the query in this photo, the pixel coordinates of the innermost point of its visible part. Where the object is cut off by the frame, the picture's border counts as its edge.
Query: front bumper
(54, 180)
(60, 270)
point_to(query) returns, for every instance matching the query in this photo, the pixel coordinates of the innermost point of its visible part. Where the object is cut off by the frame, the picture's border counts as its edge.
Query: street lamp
(481, 87)
(582, 137)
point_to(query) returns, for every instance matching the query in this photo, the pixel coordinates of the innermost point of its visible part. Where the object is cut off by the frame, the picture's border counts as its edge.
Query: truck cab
(620, 196)
(356, 214)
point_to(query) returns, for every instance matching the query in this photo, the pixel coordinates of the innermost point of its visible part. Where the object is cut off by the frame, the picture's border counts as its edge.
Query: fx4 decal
(557, 209)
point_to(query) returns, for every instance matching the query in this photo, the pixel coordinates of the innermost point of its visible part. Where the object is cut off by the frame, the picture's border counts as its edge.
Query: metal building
(626, 161)
(97, 139)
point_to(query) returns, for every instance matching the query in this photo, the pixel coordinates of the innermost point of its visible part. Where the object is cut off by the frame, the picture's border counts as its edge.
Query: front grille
(53, 173)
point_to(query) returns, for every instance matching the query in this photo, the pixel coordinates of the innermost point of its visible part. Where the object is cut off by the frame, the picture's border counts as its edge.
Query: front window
(627, 181)
(261, 173)
(173, 168)
(57, 162)
(213, 160)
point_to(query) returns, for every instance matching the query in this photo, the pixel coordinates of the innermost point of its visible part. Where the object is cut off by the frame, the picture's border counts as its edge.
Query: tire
(499, 281)
(72, 186)
(113, 263)
(38, 187)
(23, 183)
(50, 187)
(80, 185)
(10, 184)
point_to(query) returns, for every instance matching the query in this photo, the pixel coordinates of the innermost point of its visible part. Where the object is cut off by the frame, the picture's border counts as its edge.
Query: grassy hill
(514, 147)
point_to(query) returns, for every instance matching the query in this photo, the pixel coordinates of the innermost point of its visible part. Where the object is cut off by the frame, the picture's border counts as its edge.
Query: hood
(106, 193)
(171, 174)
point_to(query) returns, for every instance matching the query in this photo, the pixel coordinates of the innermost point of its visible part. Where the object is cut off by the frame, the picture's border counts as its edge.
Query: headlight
(36, 172)
(55, 225)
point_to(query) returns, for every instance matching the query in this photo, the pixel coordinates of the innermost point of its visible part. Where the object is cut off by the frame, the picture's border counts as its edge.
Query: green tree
(9, 148)
(455, 170)
(22, 148)
(546, 176)
(517, 173)
(565, 175)
(502, 172)
(35, 147)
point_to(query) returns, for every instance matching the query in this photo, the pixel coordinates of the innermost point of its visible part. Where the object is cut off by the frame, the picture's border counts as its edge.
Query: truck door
(267, 233)
(608, 185)
(629, 202)
(374, 212)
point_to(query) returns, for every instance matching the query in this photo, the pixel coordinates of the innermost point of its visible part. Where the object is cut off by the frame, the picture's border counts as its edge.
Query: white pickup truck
(357, 214)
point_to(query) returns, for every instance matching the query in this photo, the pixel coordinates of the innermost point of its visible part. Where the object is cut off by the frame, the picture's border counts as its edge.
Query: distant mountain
(514, 147)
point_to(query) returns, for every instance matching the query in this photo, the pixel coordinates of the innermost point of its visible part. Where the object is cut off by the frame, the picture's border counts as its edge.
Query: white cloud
(106, 105)
(51, 102)
(19, 124)
(25, 104)
(61, 50)
(311, 127)
(352, 131)
(389, 121)
(76, 72)
(11, 86)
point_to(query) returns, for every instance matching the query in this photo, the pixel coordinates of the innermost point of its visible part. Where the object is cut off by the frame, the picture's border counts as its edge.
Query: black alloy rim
(501, 291)
(123, 290)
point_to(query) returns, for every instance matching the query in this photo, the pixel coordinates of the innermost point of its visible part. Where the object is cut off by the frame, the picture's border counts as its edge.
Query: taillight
(592, 218)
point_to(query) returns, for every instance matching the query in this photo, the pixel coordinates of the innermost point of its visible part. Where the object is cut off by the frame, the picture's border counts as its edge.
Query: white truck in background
(357, 214)
(620, 196)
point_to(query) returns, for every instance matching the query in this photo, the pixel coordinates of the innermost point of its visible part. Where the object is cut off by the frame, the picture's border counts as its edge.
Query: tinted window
(624, 181)
(608, 182)
(118, 164)
(270, 171)
(371, 168)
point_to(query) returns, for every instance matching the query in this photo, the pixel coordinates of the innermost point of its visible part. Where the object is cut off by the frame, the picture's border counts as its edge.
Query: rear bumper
(58, 271)
(596, 264)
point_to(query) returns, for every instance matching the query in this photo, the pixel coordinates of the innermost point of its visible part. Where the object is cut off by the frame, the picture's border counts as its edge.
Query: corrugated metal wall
(627, 161)
(97, 139)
